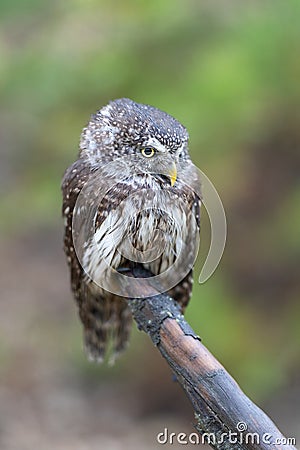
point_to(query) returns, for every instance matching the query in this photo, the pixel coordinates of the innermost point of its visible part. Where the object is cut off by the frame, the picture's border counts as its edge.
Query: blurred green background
(230, 72)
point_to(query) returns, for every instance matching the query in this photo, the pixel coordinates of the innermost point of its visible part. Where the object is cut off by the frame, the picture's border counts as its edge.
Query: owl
(155, 170)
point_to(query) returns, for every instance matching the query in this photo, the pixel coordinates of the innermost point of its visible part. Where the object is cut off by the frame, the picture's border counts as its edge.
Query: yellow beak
(172, 173)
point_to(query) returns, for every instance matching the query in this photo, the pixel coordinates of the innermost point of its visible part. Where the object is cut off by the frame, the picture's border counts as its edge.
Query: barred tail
(107, 323)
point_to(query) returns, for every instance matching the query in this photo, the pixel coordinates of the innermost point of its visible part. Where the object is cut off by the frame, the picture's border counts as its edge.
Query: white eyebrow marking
(153, 142)
(179, 149)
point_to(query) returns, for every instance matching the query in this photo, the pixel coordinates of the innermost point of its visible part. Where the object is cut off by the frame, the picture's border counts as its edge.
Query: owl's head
(154, 140)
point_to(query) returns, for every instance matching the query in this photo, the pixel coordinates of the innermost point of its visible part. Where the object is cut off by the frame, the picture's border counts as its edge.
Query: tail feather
(107, 323)
(122, 327)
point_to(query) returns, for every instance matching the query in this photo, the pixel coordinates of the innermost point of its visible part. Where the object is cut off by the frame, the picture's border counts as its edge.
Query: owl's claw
(136, 270)
(124, 269)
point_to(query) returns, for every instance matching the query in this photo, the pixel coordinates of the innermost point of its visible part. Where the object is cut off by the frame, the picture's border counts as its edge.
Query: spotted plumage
(158, 172)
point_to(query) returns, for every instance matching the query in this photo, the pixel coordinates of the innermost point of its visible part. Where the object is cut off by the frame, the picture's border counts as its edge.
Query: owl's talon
(123, 269)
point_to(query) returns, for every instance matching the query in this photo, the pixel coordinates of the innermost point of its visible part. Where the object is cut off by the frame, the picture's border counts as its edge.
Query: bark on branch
(219, 403)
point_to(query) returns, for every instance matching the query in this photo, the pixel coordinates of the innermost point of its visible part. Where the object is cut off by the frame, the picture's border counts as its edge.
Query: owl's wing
(183, 290)
(73, 181)
(103, 315)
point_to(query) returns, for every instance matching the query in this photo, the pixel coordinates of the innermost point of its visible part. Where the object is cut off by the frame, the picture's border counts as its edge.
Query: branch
(219, 403)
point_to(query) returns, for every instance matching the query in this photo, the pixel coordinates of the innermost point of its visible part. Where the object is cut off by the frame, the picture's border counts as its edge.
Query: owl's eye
(148, 152)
